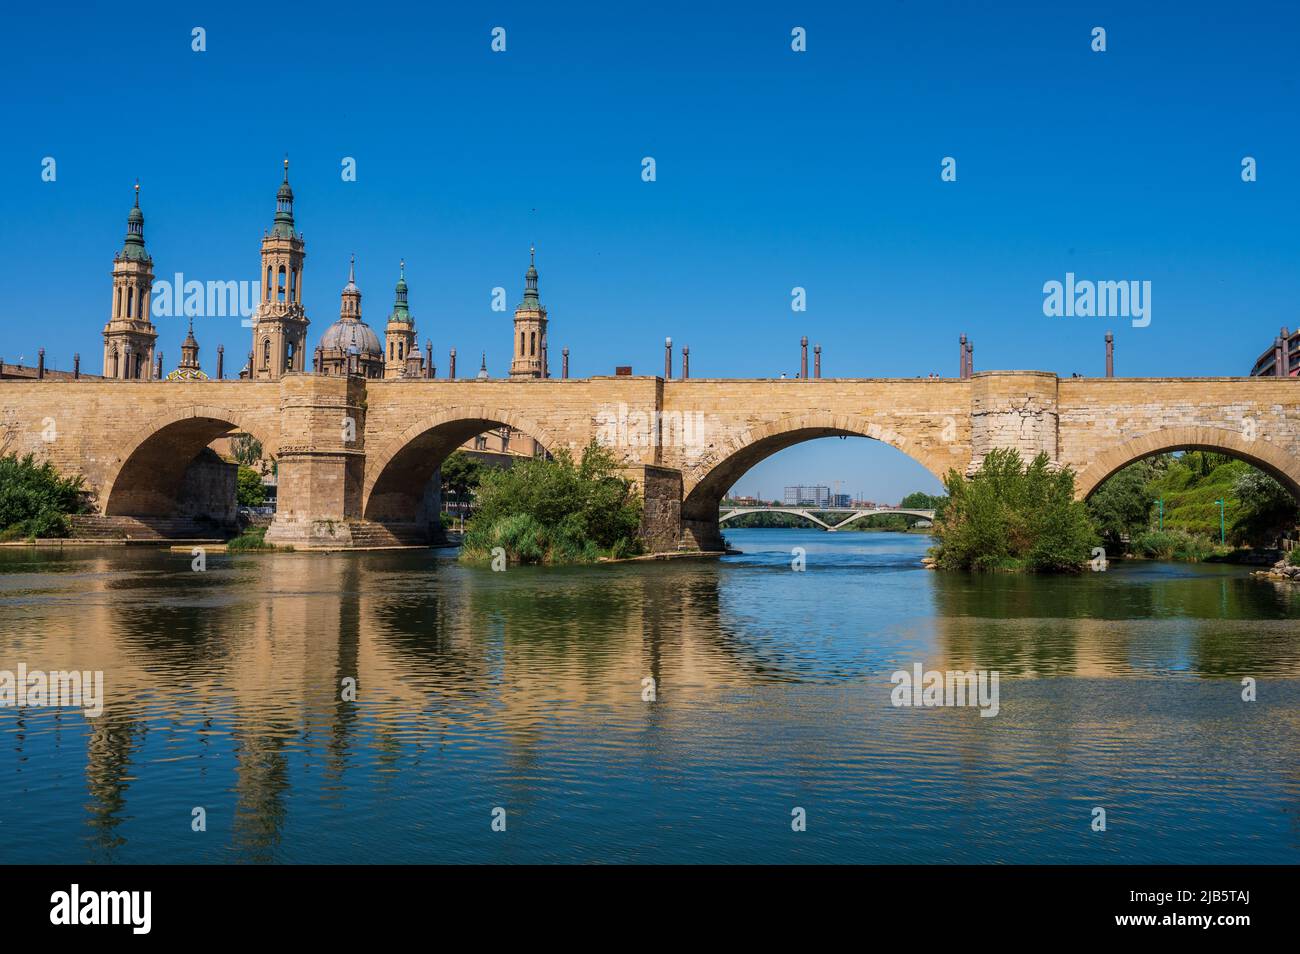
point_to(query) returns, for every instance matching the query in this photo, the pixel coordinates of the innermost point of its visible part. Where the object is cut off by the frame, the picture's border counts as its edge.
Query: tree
(1121, 507)
(247, 449)
(1013, 516)
(249, 489)
(1267, 509)
(922, 501)
(461, 475)
(555, 511)
(35, 499)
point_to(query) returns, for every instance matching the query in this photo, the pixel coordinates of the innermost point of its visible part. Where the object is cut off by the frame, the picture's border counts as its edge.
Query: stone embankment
(1281, 570)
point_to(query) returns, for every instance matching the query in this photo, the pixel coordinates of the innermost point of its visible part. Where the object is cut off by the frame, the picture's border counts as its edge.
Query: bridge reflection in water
(525, 689)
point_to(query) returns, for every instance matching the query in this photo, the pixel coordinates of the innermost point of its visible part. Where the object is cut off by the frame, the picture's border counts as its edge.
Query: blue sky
(775, 169)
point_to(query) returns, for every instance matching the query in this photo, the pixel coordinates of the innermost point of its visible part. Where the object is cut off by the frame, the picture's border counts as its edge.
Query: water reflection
(224, 690)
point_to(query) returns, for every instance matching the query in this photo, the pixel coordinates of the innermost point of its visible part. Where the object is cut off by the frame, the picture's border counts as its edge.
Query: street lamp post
(1221, 522)
(1161, 503)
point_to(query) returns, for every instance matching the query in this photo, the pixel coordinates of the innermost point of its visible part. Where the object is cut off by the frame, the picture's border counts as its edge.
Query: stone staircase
(365, 533)
(150, 529)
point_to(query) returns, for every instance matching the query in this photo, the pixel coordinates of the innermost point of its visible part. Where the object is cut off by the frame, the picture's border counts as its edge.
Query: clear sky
(775, 169)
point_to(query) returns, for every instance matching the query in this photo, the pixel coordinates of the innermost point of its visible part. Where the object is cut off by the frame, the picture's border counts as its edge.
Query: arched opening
(281, 285)
(181, 479)
(1187, 491)
(404, 489)
(852, 481)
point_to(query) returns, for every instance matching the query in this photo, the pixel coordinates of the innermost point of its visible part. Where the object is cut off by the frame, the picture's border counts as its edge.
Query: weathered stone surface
(353, 451)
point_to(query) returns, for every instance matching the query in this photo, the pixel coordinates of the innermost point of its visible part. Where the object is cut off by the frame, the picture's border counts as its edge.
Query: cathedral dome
(346, 334)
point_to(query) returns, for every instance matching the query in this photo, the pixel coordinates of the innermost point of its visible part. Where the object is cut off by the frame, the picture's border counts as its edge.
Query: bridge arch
(1283, 467)
(148, 482)
(705, 484)
(399, 474)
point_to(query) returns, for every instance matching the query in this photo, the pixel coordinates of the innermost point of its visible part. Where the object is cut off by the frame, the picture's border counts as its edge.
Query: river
(517, 697)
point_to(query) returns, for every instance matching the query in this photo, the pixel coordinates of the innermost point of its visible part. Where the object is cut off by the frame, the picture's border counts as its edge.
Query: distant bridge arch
(810, 513)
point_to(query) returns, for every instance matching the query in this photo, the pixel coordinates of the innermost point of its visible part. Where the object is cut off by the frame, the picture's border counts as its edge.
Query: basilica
(279, 336)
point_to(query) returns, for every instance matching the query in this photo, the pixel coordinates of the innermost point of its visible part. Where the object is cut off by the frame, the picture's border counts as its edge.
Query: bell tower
(400, 333)
(280, 324)
(129, 335)
(530, 328)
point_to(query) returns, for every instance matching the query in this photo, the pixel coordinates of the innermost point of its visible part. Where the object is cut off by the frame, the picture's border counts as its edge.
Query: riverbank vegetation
(554, 511)
(35, 499)
(249, 489)
(252, 538)
(1167, 507)
(1013, 516)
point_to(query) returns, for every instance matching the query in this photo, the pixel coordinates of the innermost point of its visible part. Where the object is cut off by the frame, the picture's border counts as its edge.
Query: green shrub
(1294, 557)
(35, 499)
(1175, 544)
(249, 489)
(254, 538)
(555, 511)
(1010, 516)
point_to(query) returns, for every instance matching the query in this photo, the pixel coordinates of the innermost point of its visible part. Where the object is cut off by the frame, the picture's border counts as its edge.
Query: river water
(518, 696)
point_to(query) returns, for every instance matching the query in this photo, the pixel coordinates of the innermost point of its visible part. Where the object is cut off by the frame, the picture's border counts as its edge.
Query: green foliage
(1267, 509)
(555, 511)
(249, 489)
(1176, 544)
(254, 538)
(35, 499)
(768, 520)
(1013, 516)
(1121, 506)
(1257, 509)
(461, 475)
(923, 501)
(247, 449)
(1294, 557)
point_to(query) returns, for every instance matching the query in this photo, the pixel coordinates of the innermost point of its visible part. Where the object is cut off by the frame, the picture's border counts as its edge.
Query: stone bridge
(356, 457)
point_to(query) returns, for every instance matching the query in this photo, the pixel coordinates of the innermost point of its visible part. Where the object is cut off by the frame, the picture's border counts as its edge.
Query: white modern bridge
(725, 513)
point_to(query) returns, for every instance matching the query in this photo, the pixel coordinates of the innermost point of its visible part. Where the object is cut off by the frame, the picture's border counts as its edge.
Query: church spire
(403, 357)
(530, 328)
(284, 207)
(401, 309)
(133, 246)
(531, 301)
(351, 310)
(129, 335)
(190, 349)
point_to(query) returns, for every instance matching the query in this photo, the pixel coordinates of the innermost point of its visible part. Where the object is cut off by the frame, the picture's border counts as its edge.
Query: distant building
(1284, 353)
(745, 502)
(802, 496)
(841, 500)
